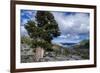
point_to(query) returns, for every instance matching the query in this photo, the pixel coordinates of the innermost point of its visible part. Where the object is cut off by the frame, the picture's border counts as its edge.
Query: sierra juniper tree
(42, 30)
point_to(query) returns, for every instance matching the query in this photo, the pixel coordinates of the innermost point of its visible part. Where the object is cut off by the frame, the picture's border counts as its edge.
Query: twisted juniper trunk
(39, 54)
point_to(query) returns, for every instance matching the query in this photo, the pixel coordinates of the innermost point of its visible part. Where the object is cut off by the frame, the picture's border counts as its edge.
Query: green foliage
(66, 52)
(31, 27)
(83, 44)
(43, 30)
(46, 21)
(43, 44)
(83, 53)
(85, 56)
(44, 17)
(25, 40)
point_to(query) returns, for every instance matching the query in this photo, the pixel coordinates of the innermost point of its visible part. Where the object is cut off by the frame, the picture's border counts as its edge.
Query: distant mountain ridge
(81, 44)
(68, 43)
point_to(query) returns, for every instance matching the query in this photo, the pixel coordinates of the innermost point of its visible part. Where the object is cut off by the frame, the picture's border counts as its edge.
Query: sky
(74, 26)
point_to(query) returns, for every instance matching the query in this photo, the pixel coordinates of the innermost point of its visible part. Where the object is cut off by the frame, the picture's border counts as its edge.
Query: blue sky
(74, 26)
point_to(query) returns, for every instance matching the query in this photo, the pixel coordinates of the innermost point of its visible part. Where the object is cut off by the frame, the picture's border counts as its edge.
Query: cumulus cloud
(72, 23)
(23, 31)
(24, 21)
(66, 39)
(73, 26)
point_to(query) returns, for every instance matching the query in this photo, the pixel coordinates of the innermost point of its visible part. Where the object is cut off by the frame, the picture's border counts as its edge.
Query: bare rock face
(26, 50)
(27, 54)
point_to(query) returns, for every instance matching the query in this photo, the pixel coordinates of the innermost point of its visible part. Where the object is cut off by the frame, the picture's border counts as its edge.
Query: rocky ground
(27, 55)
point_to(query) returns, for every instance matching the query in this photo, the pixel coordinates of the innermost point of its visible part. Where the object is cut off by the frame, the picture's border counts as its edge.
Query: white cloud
(69, 36)
(23, 31)
(73, 23)
(66, 38)
(24, 21)
(71, 26)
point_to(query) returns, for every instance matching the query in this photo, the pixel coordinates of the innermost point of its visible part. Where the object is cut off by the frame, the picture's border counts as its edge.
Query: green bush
(25, 40)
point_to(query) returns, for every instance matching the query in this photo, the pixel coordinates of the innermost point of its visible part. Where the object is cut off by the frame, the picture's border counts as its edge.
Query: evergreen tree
(43, 30)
